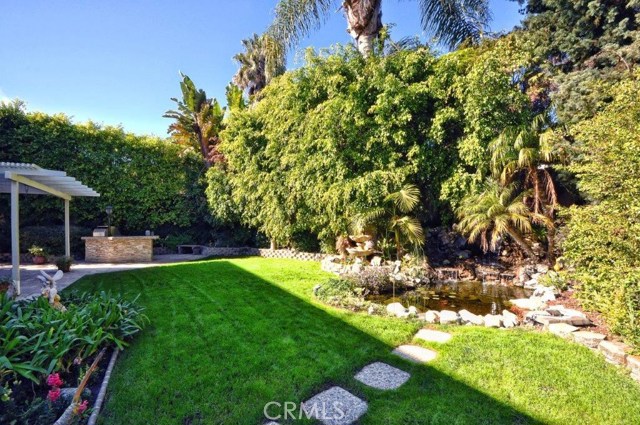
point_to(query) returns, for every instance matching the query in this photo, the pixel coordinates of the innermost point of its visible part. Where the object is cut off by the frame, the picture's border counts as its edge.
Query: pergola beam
(29, 182)
(15, 236)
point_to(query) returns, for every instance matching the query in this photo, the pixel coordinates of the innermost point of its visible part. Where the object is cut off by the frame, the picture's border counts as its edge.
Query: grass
(228, 336)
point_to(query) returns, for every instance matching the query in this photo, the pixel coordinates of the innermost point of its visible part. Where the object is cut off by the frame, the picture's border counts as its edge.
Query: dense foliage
(603, 241)
(37, 340)
(149, 183)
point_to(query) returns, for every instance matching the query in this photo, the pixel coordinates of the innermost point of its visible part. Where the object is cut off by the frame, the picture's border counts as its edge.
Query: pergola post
(15, 236)
(67, 231)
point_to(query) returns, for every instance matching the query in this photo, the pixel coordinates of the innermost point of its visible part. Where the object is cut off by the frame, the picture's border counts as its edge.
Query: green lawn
(228, 336)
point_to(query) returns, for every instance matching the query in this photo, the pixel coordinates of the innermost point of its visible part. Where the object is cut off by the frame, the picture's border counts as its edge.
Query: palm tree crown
(258, 64)
(450, 21)
(495, 212)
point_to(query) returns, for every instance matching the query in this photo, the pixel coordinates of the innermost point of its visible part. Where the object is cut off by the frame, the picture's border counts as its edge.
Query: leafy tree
(451, 21)
(198, 121)
(393, 217)
(602, 242)
(330, 140)
(584, 47)
(495, 212)
(257, 65)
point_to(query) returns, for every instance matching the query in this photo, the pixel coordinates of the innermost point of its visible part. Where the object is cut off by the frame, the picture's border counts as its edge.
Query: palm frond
(455, 21)
(406, 199)
(295, 19)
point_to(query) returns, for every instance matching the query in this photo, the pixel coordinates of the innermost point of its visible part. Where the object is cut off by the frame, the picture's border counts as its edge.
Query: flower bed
(45, 352)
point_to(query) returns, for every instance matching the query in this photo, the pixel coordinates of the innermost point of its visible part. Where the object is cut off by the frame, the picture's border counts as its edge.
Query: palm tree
(258, 64)
(528, 153)
(451, 21)
(198, 121)
(393, 217)
(495, 212)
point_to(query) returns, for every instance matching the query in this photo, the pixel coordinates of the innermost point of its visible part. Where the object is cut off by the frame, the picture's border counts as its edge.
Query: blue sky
(117, 62)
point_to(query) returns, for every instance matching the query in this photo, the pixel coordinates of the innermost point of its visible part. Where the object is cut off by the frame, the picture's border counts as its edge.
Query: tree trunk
(273, 244)
(516, 236)
(364, 19)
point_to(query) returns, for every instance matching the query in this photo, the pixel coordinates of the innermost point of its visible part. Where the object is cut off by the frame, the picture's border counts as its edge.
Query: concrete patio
(31, 286)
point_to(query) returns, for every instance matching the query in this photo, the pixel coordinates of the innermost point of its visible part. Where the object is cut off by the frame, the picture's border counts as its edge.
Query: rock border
(103, 389)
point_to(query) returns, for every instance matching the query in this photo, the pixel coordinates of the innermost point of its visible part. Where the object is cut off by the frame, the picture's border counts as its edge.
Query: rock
(492, 321)
(432, 316)
(316, 289)
(376, 261)
(542, 268)
(544, 292)
(614, 352)
(509, 320)
(468, 317)
(448, 317)
(531, 315)
(397, 266)
(569, 312)
(413, 311)
(464, 254)
(563, 330)
(530, 284)
(533, 303)
(590, 339)
(633, 363)
(396, 309)
(570, 320)
(356, 268)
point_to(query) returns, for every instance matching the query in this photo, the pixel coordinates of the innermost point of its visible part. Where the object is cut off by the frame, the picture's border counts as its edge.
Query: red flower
(80, 408)
(54, 380)
(54, 394)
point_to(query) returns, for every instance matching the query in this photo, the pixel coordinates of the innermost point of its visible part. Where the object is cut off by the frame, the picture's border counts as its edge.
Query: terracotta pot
(38, 259)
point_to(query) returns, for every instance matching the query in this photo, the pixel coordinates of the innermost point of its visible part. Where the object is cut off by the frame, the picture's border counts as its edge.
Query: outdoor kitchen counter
(118, 249)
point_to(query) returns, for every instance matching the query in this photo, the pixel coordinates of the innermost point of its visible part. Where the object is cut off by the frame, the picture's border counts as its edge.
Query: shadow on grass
(224, 341)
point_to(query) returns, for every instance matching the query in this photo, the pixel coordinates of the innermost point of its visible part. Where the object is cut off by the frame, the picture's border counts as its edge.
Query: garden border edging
(103, 388)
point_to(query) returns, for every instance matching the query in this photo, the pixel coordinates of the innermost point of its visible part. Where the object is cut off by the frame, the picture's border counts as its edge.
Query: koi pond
(477, 297)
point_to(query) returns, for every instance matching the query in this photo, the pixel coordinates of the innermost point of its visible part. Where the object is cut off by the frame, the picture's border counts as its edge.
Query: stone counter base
(119, 249)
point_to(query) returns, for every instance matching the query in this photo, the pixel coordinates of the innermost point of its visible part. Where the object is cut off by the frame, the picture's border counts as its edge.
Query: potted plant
(64, 263)
(38, 255)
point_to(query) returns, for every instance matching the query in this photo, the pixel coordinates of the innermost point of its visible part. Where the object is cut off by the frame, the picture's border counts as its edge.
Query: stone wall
(267, 253)
(119, 249)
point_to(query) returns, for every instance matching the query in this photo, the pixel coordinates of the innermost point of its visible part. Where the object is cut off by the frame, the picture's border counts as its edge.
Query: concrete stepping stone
(415, 354)
(563, 330)
(433, 336)
(382, 376)
(335, 406)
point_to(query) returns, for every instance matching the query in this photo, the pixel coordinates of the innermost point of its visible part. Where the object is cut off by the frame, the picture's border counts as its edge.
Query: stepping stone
(415, 354)
(563, 330)
(335, 406)
(382, 376)
(433, 336)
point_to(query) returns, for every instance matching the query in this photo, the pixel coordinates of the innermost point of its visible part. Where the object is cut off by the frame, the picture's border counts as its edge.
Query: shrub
(341, 293)
(602, 242)
(374, 280)
(51, 238)
(37, 340)
(64, 263)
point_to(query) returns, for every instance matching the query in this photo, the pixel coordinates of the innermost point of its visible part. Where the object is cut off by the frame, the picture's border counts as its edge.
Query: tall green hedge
(151, 183)
(603, 241)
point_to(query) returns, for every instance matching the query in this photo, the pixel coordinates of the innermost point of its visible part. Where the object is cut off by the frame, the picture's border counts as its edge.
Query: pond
(476, 297)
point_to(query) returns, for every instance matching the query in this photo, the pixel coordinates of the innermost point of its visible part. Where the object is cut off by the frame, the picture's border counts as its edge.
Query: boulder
(633, 363)
(396, 309)
(432, 316)
(413, 311)
(590, 339)
(448, 317)
(492, 321)
(468, 317)
(509, 320)
(563, 330)
(546, 320)
(533, 303)
(542, 268)
(376, 261)
(614, 352)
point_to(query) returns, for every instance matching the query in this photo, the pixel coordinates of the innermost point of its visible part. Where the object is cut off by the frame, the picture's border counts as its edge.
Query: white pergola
(29, 179)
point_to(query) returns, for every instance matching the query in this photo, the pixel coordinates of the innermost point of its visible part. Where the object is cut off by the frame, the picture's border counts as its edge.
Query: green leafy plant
(64, 263)
(37, 251)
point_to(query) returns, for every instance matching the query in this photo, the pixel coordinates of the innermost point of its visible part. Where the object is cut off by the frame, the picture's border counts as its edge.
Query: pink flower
(80, 408)
(53, 395)
(54, 380)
